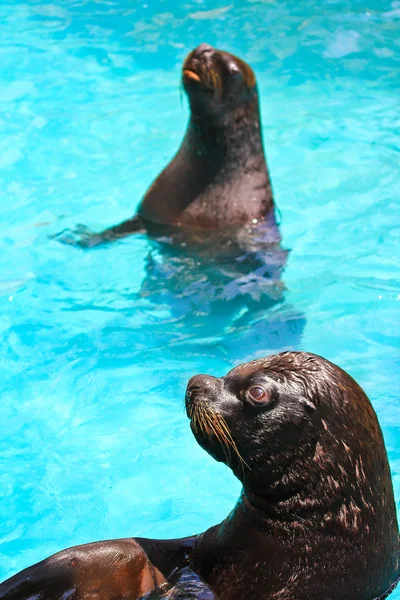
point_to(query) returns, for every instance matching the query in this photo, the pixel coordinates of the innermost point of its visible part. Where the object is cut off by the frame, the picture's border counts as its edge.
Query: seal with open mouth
(219, 178)
(316, 518)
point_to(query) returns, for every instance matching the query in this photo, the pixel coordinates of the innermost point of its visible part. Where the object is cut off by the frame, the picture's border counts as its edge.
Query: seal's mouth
(190, 74)
(201, 74)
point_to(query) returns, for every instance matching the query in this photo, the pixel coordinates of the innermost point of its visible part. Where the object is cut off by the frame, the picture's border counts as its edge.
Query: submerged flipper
(84, 237)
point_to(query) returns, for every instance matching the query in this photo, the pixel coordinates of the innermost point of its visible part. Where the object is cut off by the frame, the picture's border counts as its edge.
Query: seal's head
(299, 432)
(216, 80)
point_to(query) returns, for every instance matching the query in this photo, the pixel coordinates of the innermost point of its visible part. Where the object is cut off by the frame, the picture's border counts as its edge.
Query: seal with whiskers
(316, 517)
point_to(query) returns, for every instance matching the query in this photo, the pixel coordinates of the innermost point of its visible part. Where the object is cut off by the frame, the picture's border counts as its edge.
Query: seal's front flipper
(83, 237)
(80, 236)
(107, 570)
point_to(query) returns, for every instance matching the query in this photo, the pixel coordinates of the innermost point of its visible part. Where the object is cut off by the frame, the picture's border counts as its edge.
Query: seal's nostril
(202, 49)
(197, 382)
(198, 387)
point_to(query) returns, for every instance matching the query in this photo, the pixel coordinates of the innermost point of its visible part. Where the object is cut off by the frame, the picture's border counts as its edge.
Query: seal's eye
(258, 394)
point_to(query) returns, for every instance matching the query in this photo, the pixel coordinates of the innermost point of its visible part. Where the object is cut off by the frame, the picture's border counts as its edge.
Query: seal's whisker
(210, 429)
(222, 434)
(219, 434)
(202, 424)
(224, 426)
(205, 424)
(194, 416)
(223, 439)
(215, 81)
(223, 442)
(207, 429)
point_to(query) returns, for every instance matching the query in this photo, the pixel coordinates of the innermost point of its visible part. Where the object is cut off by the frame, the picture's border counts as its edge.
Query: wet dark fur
(316, 519)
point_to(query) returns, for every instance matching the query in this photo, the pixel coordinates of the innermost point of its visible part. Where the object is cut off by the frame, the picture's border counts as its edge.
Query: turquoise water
(94, 441)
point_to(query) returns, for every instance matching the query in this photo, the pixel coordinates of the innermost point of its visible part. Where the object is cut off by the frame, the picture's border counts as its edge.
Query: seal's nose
(202, 49)
(198, 383)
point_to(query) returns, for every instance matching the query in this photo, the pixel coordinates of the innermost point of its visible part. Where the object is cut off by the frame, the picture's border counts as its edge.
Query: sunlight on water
(94, 440)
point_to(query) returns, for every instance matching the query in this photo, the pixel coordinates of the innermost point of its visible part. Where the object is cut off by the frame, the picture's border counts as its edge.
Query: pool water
(94, 441)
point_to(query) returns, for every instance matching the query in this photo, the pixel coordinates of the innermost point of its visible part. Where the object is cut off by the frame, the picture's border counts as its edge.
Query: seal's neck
(218, 179)
(228, 140)
(303, 499)
(284, 507)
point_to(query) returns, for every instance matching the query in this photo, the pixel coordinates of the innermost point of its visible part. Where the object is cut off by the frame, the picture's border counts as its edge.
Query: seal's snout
(202, 49)
(198, 386)
(199, 383)
(196, 63)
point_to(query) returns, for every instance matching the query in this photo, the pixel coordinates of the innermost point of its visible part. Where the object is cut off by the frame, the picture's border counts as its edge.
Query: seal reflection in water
(316, 518)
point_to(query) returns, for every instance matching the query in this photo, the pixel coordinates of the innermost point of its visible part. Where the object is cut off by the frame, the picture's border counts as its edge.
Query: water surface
(94, 441)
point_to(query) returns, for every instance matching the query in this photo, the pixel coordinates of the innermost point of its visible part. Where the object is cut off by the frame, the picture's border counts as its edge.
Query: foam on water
(94, 441)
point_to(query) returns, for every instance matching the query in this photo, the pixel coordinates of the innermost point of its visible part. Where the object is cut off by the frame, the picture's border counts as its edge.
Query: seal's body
(316, 518)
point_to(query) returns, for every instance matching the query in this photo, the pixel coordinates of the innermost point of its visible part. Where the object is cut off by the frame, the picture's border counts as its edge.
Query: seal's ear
(233, 68)
(309, 405)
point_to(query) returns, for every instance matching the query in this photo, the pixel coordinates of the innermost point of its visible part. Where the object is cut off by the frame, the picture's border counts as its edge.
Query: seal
(219, 177)
(316, 517)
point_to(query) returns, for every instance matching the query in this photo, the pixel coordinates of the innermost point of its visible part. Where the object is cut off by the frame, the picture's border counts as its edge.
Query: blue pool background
(94, 442)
